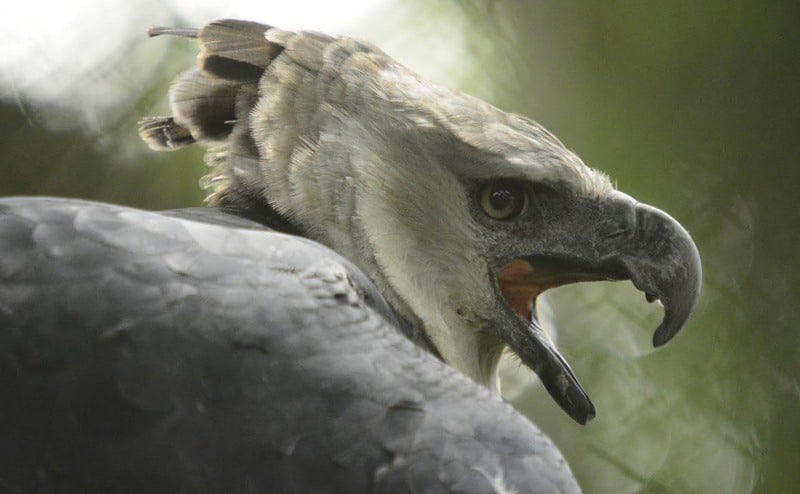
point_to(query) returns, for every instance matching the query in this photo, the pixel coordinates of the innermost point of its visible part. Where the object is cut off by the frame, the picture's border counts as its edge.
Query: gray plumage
(149, 353)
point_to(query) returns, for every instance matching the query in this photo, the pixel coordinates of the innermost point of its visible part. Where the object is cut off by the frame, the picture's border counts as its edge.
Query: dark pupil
(501, 199)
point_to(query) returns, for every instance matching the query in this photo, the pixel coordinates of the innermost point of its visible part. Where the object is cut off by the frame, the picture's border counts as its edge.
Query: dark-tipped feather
(203, 104)
(236, 50)
(163, 134)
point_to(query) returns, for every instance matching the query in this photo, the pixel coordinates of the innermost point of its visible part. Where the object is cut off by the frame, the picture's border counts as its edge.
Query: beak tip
(580, 408)
(662, 336)
(677, 309)
(675, 316)
(589, 415)
(576, 402)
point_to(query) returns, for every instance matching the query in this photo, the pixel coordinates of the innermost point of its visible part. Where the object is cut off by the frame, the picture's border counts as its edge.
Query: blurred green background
(693, 107)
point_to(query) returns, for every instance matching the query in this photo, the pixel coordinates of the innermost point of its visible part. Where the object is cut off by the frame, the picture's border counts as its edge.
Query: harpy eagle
(334, 323)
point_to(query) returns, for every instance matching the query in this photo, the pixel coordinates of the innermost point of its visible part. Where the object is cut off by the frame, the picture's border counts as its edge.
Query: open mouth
(521, 281)
(615, 238)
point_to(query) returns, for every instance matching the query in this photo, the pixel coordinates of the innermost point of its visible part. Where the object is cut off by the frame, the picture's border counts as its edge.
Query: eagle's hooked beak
(611, 239)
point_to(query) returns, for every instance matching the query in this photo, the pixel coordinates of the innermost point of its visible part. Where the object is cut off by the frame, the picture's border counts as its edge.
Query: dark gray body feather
(143, 352)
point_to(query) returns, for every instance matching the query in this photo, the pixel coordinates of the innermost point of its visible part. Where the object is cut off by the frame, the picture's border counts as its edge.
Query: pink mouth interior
(521, 282)
(517, 288)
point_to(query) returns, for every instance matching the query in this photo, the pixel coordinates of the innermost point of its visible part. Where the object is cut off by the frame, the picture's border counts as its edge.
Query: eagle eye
(502, 199)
